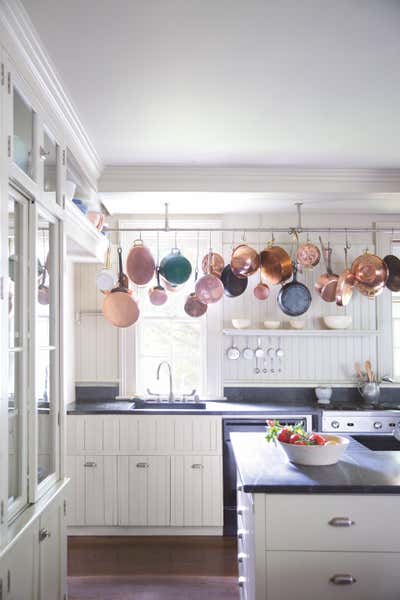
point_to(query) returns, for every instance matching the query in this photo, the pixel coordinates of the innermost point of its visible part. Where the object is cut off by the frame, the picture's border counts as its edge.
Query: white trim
(23, 44)
(176, 178)
(145, 531)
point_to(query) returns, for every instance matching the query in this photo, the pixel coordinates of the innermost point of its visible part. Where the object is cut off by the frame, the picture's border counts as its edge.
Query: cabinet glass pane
(23, 133)
(50, 154)
(46, 354)
(17, 279)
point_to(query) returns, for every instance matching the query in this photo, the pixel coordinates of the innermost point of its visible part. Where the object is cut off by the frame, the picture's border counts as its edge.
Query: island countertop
(264, 468)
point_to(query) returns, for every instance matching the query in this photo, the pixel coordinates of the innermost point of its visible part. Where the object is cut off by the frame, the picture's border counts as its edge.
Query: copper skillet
(393, 266)
(345, 284)
(119, 308)
(370, 272)
(326, 283)
(276, 264)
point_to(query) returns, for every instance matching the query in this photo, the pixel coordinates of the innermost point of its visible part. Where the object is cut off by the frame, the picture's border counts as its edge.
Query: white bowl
(297, 323)
(241, 323)
(337, 321)
(272, 324)
(317, 455)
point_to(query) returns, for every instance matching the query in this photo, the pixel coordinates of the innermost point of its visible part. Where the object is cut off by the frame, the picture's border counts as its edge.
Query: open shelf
(303, 332)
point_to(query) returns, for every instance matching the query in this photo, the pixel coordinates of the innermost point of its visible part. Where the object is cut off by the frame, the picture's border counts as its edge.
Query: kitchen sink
(157, 405)
(380, 443)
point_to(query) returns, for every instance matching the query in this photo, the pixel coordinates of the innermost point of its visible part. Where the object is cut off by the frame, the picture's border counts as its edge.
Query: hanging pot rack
(298, 229)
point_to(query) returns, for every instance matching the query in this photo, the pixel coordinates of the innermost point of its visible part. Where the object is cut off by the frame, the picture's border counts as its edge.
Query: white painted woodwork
(94, 433)
(305, 575)
(128, 432)
(144, 491)
(376, 526)
(198, 434)
(75, 492)
(196, 490)
(52, 558)
(21, 566)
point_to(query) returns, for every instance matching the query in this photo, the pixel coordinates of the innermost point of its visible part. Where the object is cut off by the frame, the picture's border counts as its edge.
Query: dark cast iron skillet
(294, 298)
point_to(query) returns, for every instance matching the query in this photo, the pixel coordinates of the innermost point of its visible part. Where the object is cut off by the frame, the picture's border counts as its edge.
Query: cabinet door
(52, 552)
(196, 491)
(144, 490)
(100, 490)
(21, 564)
(75, 493)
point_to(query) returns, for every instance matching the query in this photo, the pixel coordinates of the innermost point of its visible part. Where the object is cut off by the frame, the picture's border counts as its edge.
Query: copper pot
(370, 270)
(245, 261)
(368, 291)
(213, 264)
(276, 265)
(345, 285)
(194, 307)
(308, 255)
(326, 283)
(119, 307)
(140, 264)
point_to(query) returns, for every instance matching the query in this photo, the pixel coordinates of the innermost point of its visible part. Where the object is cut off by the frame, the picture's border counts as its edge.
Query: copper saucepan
(326, 283)
(119, 308)
(276, 265)
(370, 270)
(345, 284)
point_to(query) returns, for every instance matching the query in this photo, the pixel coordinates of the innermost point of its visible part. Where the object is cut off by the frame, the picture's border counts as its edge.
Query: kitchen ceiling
(231, 82)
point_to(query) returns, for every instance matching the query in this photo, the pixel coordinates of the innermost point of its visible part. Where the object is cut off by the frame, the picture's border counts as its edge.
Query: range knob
(377, 425)
(335, 424)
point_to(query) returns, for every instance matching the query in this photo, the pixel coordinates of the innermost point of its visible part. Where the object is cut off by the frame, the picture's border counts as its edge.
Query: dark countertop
(264, 468)
(212, 408)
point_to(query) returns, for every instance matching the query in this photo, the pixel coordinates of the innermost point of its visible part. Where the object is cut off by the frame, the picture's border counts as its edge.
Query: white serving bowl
(297, 323)
(272, 324)
(241, 323)
(317, 455)
(337, 321)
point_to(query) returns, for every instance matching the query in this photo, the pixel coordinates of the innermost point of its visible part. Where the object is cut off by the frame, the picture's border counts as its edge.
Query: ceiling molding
(248, 179)
(26, 50)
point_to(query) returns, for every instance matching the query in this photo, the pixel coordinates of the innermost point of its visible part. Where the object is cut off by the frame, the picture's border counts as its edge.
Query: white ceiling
(307, 82)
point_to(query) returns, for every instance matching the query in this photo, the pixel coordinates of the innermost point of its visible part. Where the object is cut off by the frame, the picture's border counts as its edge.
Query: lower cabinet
(52, 552)
(21, 567)
(92, 493)
(196, 491)
(144, 490)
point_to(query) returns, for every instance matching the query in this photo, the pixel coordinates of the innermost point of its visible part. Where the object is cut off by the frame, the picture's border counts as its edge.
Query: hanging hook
(166, 217)
(196, 272)
(175, 239)
(348, 245)
(244, 236)
(209, 244)
(298, 205)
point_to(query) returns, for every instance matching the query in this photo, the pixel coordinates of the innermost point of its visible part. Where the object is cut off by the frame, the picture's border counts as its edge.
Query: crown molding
(248, 179)
(25, 48)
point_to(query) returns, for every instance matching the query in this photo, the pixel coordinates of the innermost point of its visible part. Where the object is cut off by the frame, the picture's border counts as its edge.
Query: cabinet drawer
(305, 575)
(332, 522)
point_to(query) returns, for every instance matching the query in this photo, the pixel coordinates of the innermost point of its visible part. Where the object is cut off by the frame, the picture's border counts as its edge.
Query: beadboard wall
(307, 360)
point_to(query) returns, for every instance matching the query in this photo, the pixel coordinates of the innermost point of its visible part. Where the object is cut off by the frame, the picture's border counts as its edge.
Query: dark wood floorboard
(152, 568)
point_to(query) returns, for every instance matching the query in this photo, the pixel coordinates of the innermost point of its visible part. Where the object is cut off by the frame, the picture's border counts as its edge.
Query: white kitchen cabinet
(144, 490)
(52, 555)
(92, 493)
(92, 433)
(196, 491)
(21, 567)
(198, 434)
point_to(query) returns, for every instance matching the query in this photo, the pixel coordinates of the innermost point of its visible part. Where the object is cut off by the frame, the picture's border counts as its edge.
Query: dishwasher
(247, 424)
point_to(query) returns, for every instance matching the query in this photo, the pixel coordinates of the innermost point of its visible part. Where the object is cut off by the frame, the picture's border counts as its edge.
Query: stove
(381, 420)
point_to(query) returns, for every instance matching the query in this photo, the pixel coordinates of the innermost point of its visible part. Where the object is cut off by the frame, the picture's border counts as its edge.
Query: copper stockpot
(326, 283)
(370, 270)
(245, 261)
(276, 265)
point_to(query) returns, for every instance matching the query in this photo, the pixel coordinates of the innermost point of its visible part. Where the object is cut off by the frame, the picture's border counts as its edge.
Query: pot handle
(120, 271)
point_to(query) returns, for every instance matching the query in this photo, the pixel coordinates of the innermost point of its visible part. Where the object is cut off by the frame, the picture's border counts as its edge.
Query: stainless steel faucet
(164, 362)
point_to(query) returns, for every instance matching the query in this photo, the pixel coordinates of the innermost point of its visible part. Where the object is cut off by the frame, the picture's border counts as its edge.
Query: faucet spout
(164, 362)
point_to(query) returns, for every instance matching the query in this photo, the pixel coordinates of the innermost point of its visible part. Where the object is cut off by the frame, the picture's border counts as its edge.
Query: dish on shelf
(272, 324)
(241, 323)
(319, 456)
(297, 323)
(337, 321)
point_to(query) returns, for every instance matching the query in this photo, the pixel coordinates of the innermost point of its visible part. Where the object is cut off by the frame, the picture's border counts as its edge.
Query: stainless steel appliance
(363, 421)
(246, 423)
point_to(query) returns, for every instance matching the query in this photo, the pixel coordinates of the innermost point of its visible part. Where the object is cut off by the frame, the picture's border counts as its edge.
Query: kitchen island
(317, 531)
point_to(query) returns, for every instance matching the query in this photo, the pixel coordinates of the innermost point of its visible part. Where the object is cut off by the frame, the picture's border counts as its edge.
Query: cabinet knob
(142, 465)
(241, 582)
(197, 466)
(44, 534)
(90, 464)
(341, 522)
(241, 557)
(343, 579)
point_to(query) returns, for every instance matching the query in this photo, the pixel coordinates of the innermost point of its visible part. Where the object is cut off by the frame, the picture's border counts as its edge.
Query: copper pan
(213, 264)
(245, 261)
(119, 307)
(308, 255)
(345, 284)
(276, 265)
(326, 283)
(368, 291)
(370, 270)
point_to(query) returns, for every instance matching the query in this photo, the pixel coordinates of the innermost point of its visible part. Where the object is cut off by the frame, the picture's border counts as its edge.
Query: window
(396, 323)
(167, 332)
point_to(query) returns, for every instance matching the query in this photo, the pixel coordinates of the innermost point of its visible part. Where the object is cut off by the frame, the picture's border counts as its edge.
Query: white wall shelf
(302, 332)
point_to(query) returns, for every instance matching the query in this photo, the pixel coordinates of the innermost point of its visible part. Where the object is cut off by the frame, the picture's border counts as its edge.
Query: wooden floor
(152, 568)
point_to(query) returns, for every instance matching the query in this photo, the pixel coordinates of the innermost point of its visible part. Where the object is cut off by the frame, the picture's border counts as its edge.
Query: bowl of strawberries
(303, 448)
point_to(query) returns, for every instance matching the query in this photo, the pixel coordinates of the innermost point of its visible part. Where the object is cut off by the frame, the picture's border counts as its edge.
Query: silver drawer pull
(341, 522)
(241, 582)
(197, 466)
(241, 557)
(241, 533)
(142, 465)
(44, 534)
(90, 464)
(343, 579)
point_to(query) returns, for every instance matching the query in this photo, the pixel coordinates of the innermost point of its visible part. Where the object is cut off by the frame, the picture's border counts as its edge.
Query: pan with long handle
(393, 266)
(345, 284)
(326, 283)
(294, 298)
(119, 308)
